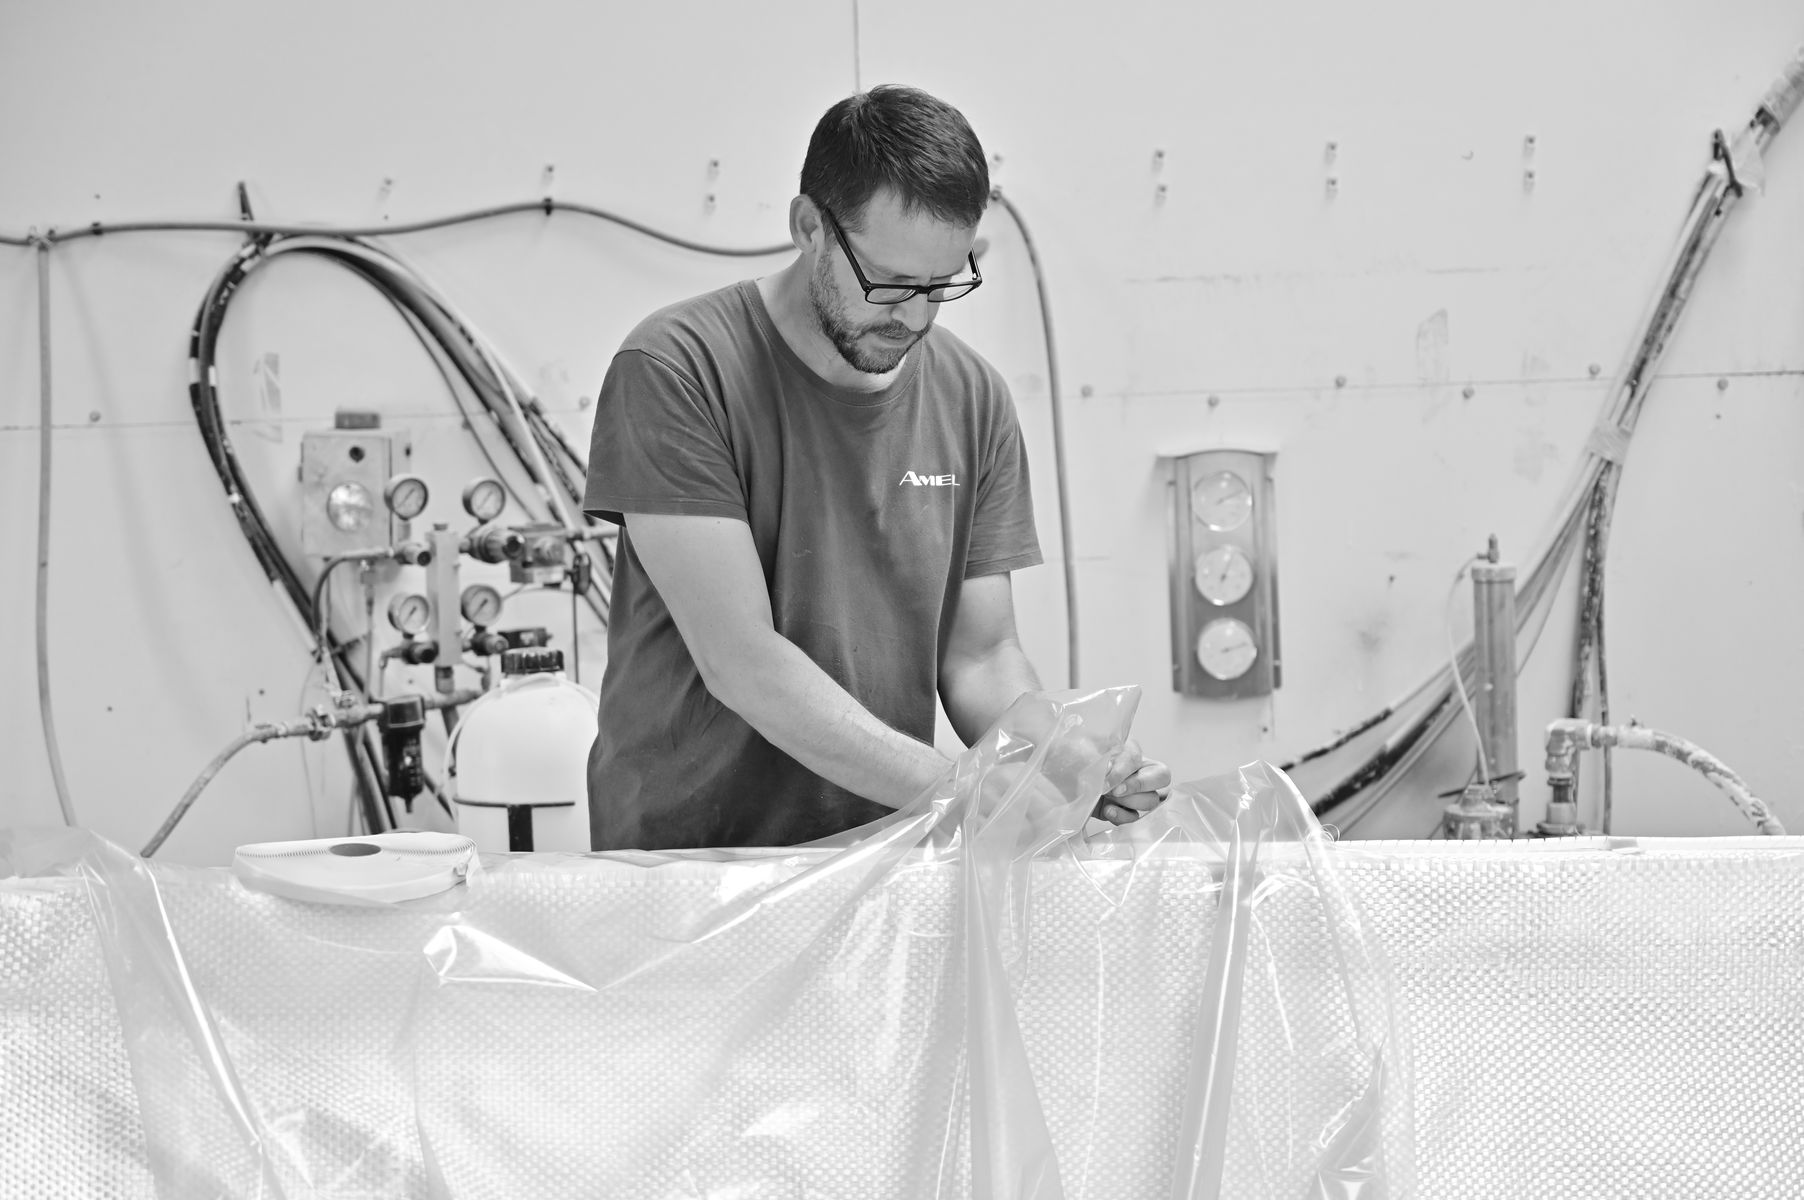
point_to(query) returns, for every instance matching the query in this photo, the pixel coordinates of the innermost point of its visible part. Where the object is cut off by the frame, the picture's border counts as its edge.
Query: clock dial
(1222, 501)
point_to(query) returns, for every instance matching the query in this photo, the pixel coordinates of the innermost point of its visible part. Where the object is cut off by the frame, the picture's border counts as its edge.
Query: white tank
(517, 764)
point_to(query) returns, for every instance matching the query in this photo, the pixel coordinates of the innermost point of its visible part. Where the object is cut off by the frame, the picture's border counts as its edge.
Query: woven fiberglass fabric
(1583, 1023)
(970, 1001)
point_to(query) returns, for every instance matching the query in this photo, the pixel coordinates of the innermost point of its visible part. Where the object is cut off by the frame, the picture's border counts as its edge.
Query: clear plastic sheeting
(984, 995)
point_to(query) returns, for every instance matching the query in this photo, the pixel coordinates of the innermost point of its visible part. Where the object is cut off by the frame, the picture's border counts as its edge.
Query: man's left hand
(1137, 785)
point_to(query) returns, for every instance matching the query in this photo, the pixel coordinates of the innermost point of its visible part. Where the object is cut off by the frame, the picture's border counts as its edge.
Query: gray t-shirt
(868, 511)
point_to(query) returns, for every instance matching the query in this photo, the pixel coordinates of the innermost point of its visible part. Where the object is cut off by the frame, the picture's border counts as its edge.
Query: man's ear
(806, 228)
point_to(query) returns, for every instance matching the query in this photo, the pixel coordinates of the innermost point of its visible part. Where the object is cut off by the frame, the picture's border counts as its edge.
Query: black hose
(251, 522)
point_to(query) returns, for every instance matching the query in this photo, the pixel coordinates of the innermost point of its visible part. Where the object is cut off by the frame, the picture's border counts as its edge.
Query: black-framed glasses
(898, 293)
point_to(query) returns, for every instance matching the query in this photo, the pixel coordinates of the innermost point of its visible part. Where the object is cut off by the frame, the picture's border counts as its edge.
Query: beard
(893, 339)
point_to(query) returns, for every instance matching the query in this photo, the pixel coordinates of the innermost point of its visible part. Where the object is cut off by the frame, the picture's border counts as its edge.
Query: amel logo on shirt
(918, 480)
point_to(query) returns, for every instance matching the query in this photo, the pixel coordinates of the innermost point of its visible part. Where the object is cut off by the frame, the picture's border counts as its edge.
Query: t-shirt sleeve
(1002, 531)
(658, 446)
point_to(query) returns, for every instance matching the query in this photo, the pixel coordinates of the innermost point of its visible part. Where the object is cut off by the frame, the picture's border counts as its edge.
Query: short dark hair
(903, 139)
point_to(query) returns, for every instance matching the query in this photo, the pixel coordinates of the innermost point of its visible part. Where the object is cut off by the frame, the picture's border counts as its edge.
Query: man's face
(892, 247)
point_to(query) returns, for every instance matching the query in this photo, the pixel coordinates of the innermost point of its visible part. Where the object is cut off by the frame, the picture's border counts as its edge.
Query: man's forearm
(798, 708)
(976, 692)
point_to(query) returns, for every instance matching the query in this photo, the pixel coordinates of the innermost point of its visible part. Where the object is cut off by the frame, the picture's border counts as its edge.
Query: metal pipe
(1494, 641)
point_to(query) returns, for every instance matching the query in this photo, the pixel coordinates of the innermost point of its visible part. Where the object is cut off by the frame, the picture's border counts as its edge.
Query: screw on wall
(1214, 401)
(1468, 392)
(1340, 381)
(93, 416)
(1161, 189)
(1528, 162)
(547, 175)
(1722, 385)
(1330, 159)
(1596, 369)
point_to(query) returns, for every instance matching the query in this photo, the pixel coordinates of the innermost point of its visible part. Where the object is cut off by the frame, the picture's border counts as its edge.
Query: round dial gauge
(349, 507)
(484, 499)
(406, 496)
(1221, 501)
(410, 612)
(1226, 648)
(1224, 574)
(481, 604)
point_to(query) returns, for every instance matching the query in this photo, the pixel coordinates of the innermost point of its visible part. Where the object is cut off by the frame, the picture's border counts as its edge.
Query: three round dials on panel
(1227, 647)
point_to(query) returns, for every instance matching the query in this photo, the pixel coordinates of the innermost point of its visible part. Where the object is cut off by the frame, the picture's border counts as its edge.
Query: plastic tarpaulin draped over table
(970, 998)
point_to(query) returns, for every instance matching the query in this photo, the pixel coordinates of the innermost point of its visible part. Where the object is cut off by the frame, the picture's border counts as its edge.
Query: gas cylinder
(517, 764)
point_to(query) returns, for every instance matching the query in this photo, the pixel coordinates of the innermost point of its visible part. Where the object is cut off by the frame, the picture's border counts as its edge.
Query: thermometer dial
(1226, 648)
(1221, 501)
(1224, 574)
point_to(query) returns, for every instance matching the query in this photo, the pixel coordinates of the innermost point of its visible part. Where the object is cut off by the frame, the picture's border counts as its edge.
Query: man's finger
(1116, 814)
(1124, 767)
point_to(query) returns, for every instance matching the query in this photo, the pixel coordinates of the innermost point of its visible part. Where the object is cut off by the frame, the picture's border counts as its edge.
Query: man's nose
(916, 312)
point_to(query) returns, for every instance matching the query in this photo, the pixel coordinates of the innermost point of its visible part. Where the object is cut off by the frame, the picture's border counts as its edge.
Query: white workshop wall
(1431, 270)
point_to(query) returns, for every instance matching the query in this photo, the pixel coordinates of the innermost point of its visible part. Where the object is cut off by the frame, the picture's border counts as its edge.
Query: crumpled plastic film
(984, 994)
(967, 999)
(1293, 1077)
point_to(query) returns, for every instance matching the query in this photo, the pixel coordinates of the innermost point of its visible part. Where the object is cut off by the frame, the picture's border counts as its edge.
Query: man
(822, 497)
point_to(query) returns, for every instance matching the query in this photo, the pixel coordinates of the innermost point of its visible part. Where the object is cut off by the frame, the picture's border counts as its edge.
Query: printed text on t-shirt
(929, 480)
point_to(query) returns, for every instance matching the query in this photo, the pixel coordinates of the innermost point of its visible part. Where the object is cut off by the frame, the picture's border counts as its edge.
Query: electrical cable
(1056, 406)
(46, 714)
(546, 207)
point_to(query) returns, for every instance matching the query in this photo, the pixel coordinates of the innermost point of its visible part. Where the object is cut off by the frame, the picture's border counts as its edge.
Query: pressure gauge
(410, 612)
(1221, 501)
(349, 507)
(1226, 648)
(481, 605)
(484, 499)
(1224, 574)
(406, 496)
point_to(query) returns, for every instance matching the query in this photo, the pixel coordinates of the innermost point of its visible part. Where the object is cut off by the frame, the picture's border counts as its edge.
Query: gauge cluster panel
(347, 500)
(1224, 579)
